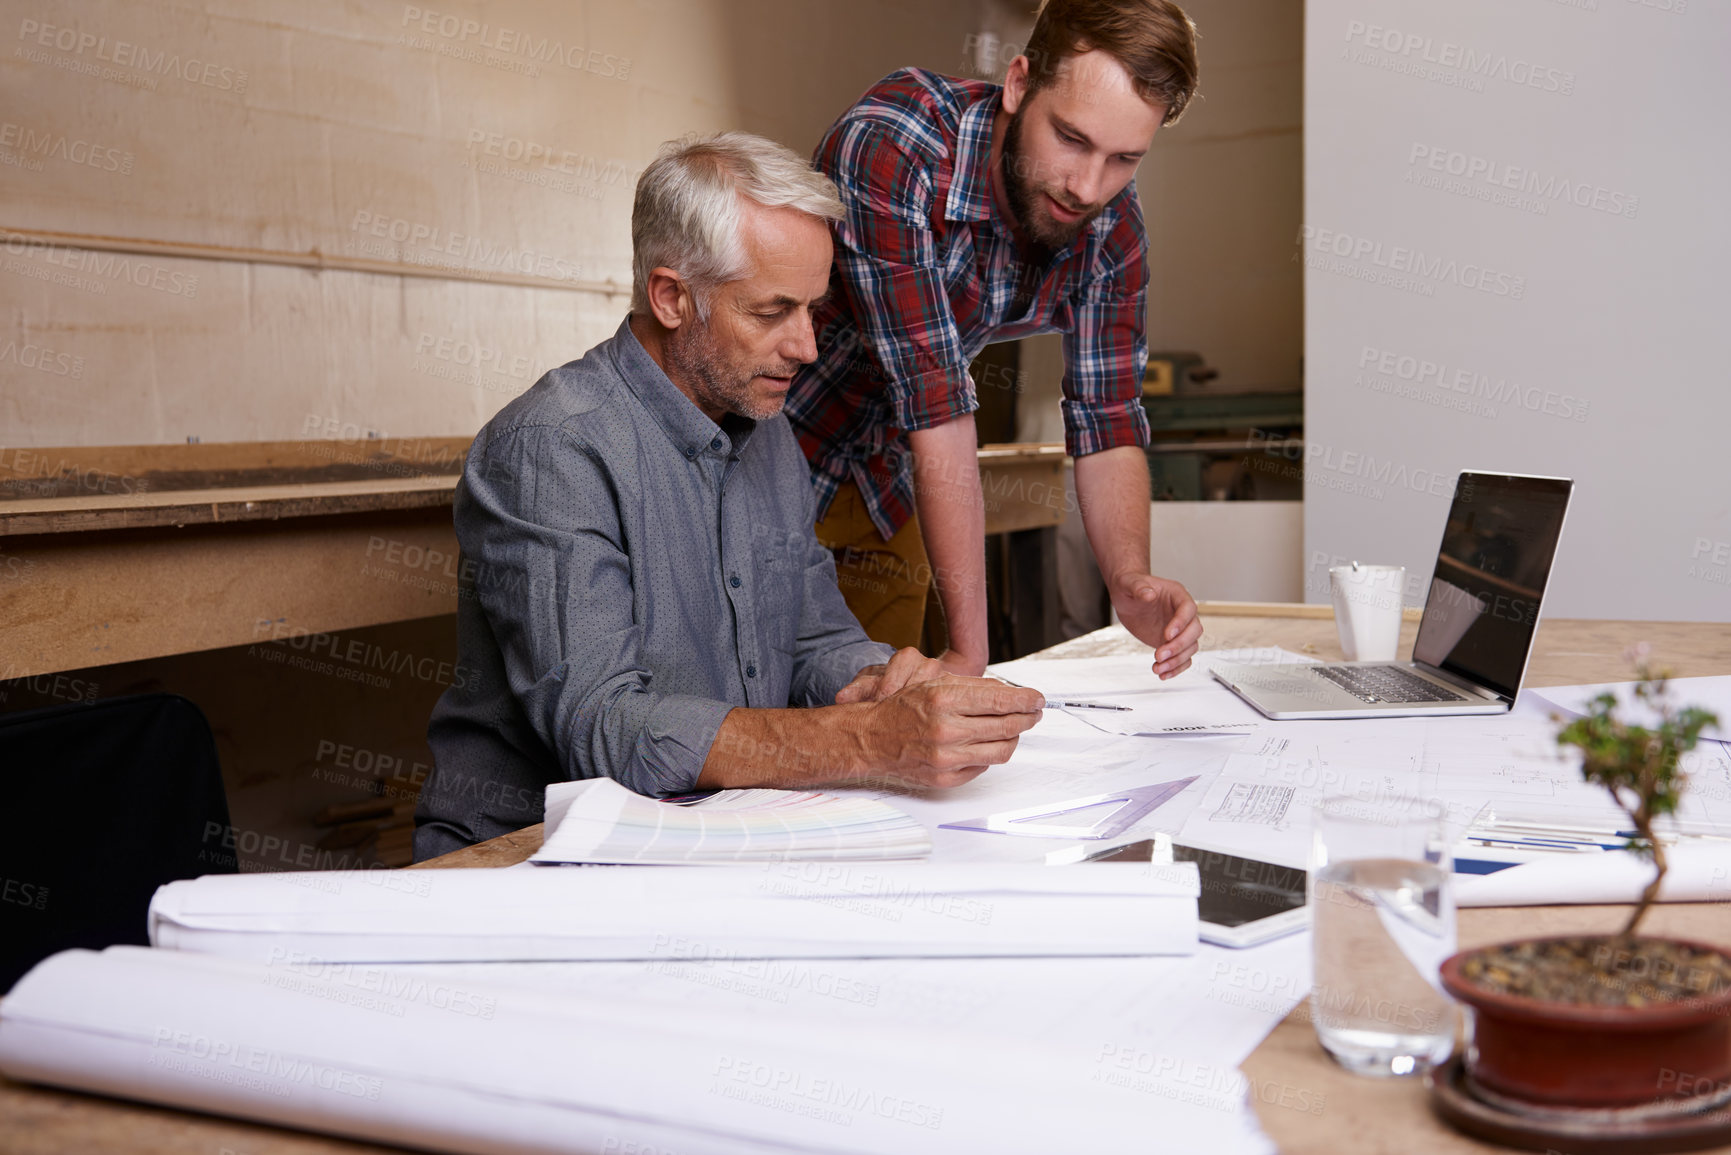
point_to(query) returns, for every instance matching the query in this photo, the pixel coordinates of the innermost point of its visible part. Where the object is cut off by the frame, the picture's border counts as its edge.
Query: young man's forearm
(1112, 490)
(952, 516)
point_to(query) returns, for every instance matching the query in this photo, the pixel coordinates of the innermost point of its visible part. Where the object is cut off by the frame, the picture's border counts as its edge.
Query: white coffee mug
(1367, 604)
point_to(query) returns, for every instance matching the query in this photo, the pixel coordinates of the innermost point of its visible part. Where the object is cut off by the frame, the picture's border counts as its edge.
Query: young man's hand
(1162, 614)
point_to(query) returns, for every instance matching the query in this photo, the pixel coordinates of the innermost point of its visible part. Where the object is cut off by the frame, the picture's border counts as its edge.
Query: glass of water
(1383, 920)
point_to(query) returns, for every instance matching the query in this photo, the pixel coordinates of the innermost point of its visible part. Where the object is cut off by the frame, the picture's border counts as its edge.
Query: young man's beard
(1023, 194)
(717, 383)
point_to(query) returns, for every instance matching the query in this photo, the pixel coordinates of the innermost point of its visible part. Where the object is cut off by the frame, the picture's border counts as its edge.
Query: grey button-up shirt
(631, 572)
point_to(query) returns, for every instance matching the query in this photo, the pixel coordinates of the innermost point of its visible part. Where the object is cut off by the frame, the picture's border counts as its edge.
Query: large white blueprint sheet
(1261, 800)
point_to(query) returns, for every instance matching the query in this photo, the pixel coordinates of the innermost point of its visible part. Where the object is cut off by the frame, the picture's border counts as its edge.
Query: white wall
(1228, 551)
(1553, 300)
(1221, 192)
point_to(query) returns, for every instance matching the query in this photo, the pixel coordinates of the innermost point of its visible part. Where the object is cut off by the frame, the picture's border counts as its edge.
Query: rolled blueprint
(447, 1063)
(774, 910)
(1700, 871)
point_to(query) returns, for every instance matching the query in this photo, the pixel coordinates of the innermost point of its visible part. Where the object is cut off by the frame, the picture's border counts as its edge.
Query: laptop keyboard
(1387, 684)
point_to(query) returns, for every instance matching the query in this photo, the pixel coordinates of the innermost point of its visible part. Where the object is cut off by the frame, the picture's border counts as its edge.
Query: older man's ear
(669, 298)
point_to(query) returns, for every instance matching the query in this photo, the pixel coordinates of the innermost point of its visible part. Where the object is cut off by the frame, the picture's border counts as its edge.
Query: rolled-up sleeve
(892, 276)
(1106, 351)
(537, 519)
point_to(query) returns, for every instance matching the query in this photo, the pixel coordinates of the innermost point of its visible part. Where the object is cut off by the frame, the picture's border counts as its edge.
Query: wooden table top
(1358, 1116)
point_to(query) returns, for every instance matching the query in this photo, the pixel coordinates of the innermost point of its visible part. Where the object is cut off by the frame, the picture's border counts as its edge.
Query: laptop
(1479, 618)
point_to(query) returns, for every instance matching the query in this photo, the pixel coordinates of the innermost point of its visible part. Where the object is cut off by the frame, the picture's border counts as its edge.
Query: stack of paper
(450, 1063)
(598, 820)
(777, 910)
(1709, 693)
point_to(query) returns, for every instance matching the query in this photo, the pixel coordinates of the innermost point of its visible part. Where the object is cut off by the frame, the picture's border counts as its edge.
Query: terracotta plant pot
(1558, 1055)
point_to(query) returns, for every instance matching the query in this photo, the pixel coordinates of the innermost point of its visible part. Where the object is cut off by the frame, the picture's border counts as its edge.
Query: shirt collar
(970, 197)
(686, 426)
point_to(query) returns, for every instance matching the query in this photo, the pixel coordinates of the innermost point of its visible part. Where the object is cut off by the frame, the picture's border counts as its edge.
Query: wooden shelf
(1022, 451)
(221, 505)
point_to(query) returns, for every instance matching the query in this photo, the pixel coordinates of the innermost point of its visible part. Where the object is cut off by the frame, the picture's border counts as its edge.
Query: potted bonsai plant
(1587, 1027)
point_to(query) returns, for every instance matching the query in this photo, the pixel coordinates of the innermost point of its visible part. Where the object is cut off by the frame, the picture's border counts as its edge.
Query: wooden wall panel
(311, 122)
(267, 352)
(226, 220)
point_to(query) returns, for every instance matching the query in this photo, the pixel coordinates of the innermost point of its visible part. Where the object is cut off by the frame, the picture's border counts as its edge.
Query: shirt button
(716, 444)
(690, 452)
(734, 581)
(751, 671)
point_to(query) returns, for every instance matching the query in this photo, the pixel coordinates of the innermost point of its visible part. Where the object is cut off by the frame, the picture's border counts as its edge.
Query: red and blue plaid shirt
(926, 275)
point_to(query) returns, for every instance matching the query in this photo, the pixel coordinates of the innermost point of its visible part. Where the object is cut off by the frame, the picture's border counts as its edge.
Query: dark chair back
(103, 804)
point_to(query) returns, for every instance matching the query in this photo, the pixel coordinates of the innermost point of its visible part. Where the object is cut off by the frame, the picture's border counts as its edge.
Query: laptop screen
(1490, 576)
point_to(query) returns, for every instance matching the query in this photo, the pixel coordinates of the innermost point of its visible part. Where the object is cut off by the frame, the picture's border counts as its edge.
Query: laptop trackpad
(1301, 682)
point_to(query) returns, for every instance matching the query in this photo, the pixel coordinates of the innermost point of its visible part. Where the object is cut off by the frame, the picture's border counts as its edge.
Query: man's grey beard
(717, 384)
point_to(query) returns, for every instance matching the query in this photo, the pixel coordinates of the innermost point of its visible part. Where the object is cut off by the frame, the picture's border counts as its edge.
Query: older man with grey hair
(643, 597)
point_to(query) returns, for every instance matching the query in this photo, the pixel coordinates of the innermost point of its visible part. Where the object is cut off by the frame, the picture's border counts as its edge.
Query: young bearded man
(975, 214)
(643, 597)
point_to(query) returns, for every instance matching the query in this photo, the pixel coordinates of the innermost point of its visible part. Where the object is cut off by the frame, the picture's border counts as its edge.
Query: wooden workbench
(1359, 1116)
(122, 553)
(116, 554)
